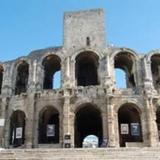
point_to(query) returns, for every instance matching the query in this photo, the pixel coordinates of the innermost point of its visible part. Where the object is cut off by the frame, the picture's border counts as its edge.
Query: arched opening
(1, 78)
(90, 141)
(120, 78)
(158, 121)
(22, 78)
(125, 61)
(129, 124)
(52, 65)
(155, 68)
(48, 126)
(86, 69)
(17, 128)
(88, 121)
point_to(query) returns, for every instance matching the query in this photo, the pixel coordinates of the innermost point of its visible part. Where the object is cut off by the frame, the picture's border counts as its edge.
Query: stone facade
(34, 114)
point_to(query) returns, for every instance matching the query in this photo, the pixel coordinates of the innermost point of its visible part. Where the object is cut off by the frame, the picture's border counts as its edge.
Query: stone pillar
(111, 124)
(67, 118)
(29, 124)
(151, 123)
(104, 126)
(39, 78)
(66, 73)
(32, 79)
(72, 73)
(6, 131)
(117, 140)
(2, 118)
(107, 76)
(8, 83)
(148, 81)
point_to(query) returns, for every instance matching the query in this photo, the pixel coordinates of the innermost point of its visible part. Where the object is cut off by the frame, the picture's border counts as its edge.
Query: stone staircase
(81, 154)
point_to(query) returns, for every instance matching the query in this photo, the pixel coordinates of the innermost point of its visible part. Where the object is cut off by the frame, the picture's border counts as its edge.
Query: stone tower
(33, 113)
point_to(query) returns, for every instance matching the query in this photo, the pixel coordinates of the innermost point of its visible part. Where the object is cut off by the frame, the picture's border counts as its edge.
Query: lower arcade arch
(48, 126)
(88, 121)
(129, 124)
(17, 128)
(158, 121)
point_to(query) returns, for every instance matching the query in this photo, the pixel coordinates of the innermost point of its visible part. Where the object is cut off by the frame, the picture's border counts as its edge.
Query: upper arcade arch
(52, 65)
(97, 53)
(126, 61)
(22, 75)
(86, 69)
(155, 69)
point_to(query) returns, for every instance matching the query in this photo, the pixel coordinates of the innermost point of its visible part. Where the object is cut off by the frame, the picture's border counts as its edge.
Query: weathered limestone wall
(70, 98)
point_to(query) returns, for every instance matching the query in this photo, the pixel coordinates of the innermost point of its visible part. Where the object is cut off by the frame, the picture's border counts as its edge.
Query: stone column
(29, 124)
(117, 140)
(72, 73)
(32, 79)
(104, 126)
(148, 81)
(2, 117)
(111, 123)
(6, 131)
(107, 76)
(67, 118)
(8, 83)
(151, 123)
(66, 73)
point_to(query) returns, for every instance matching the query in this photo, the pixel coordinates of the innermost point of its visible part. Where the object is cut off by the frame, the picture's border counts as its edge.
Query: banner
(50, 130)
(124, 129)
(18, 132)
(135, 129)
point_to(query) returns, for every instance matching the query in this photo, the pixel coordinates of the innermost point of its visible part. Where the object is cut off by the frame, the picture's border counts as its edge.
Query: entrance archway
(48, 126)
(88, 121)
(129, 124)
(17, 128)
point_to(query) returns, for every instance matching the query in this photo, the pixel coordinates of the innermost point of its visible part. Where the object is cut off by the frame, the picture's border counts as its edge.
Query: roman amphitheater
(35, 114)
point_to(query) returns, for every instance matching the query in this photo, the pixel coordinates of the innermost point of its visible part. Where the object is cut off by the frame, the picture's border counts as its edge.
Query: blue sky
(27, 25)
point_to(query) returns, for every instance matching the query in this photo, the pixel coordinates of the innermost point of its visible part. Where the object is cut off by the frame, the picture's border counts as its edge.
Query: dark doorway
(52, 65)
(49, 126)
(22, 78)
(17, 129)
(129, 124)
(158, 121)
(1, 78)
(87, 122)
(86, 69)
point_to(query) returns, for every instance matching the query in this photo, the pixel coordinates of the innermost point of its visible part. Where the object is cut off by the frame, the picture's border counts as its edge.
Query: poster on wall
(135, 129)
(124, 129)
(2, 121)
(18, 132)
(50, 130)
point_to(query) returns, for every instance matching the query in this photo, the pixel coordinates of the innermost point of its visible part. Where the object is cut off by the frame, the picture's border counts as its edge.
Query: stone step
(81, 154)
